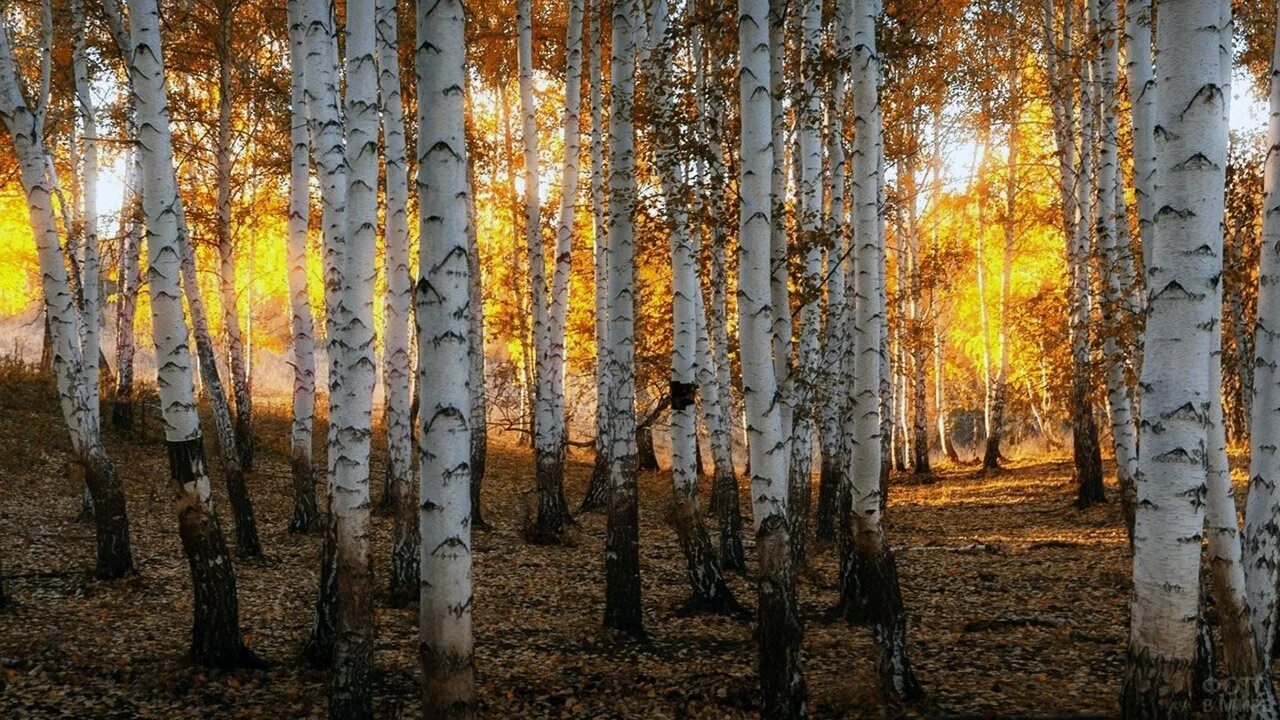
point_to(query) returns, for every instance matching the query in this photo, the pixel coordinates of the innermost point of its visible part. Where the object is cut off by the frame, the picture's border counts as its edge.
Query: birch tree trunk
(122, 411)
(710, 592)
(622, 529)
(1177, 398)
(559, 305)
(725, 500)
(1114, 255)
(809, 120)
(395, 369)
(216, 638)
(778, 633)
(25, 125)
(306, 517)
(226, 252)
(779, 286)
(873, 566)
(597, 489)
(1000, 384)
(834, 388)
(443, 303)
(247, 544)
(476, 373)
(1262, 527)
(1142, 98)
(351, 695)
(1084, 429)
(548, 440)
(90, 271)
(325, 128)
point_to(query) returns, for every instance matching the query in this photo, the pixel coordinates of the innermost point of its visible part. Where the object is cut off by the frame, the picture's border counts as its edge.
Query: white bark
(1142, 98)
(1186, 263)
(1115, 293)
(1262, 529)
(301, 325)
(352, 691)
(600, 265)
(395, 339)
(90, 270)
(444, 419)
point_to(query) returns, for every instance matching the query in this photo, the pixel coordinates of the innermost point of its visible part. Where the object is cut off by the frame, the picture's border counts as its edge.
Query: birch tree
(25, 123)
(228, 294)
(597, 489)
(1142, 97)
(548, 426)
(710, 592)
(873, 565)
(325, 128)
(1177, 397)
(351, 695)
(216, 638)
(778, 635)
(90, 254)
(1117, 277)
(306, 517)
(476, 375)
(395, 363)
(1262, 533)
(443, 303)
(130, 279)
(622, 526)
(809, 122)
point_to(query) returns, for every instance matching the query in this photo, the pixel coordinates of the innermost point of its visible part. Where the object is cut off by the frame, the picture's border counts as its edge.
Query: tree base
(1156, 688)
(778, 632)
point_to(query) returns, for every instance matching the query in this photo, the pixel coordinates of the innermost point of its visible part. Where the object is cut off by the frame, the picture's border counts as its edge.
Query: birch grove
(766, 229)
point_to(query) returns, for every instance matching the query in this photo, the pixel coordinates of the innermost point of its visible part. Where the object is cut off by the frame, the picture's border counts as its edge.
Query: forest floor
(1017, 601)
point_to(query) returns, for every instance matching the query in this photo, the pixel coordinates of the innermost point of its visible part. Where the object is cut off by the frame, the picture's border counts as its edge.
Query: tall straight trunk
(597, 489)
(548, 435)
(778, 633)
(351, 694)
(226, 252)
(1115, 256)
(1176, 383)
(1086, 453)
(25, 125)
(1084, 428)
(809, 120)
(1000, 385)
(476, 372)
(833, 389)
(130, 279)
(1243, 658)
(306, 517)
(395, 368)
(1142, 98)
(1262, 512)
(709, 590)
(443, 303)
(325, 129)
(90, 271)
(216, 638)
(559, 301)
(622, 529)
(725, 500)
(874, 567)
(779, 284)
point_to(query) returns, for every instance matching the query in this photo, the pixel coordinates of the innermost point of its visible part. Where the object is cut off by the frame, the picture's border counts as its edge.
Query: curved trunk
(216, 638)
(114, 556)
